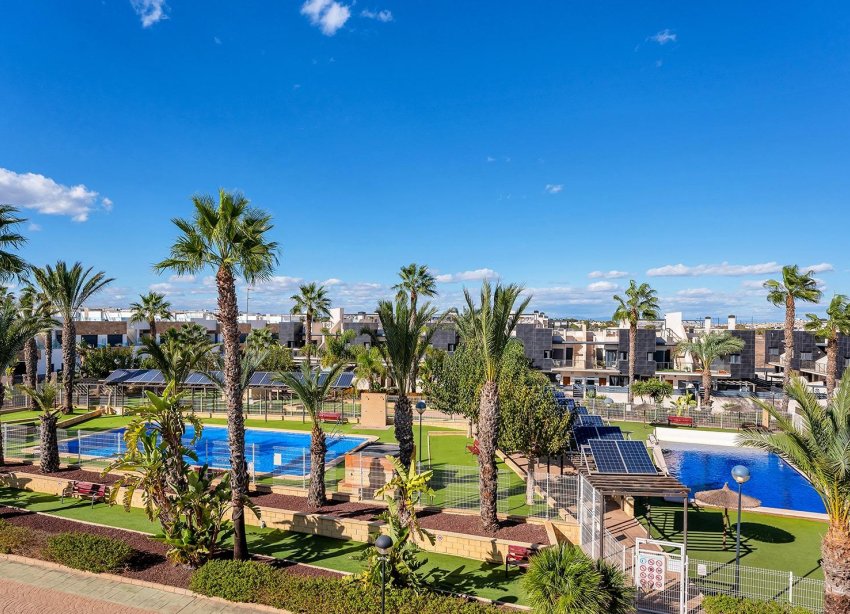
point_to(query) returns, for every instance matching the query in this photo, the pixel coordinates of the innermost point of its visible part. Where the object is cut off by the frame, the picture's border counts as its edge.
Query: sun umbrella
(725, 498)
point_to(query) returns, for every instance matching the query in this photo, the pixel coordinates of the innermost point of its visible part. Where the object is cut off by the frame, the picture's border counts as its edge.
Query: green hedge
(18, 540)
(256, 582)
(726, 604)
(88, 552)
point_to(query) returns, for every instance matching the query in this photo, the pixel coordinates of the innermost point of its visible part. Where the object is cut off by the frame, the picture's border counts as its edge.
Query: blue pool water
(773, 480)
(280, 452)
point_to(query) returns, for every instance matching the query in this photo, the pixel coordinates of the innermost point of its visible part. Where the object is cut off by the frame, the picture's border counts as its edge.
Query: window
(846, 361)
(90, 340)
(650, 356)
(114, 340)
(367, 344)
(451, 347)
(547, 353)
(806, 356)
(243, 337)
(624, 355)
(773, 351)
(734, 359)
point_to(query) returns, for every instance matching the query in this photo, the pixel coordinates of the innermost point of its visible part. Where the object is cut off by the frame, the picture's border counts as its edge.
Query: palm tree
(311, 388)
(640, 303)
(67, 288)
(15, 330)
(312, 301)
(229, 237)
(707, 348)
(177, 359)
(488, 328)
(817, 447)
(416, 281)
(150, 307)
(406, 337)
(794, 286)
(369, 367)
(837, 321)
(29, 306)
(337, 349)
(45, 402)
(11, 265)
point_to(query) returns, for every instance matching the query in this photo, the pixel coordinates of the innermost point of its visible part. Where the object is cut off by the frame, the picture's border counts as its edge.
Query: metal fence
(650, 414)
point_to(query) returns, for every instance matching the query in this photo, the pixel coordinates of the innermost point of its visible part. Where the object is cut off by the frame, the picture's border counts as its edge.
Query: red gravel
(64, 473)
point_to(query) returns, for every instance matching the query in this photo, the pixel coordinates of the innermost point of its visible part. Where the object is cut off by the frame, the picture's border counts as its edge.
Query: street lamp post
(420, 409)
(741, 475)
(383, 545)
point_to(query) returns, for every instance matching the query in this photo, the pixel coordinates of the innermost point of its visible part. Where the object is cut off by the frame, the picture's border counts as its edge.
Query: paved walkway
(31, 589)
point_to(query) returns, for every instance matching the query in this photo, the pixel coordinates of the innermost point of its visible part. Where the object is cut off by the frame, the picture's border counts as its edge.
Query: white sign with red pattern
(650, 571)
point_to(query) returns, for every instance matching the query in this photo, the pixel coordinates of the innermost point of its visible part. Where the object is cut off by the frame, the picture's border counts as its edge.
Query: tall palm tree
(488, 327)
(416, 281)
(640, 303)
(817, 447)
(312, 302)
(177, 359)
(150, 307)
(231, 238)
(44, 400)
(67, 288)
(11, 265)
(406, 337)
(794, 286)
(311, 388)
(837, 321)
(14, 332)
(707, 348)
(28, 306)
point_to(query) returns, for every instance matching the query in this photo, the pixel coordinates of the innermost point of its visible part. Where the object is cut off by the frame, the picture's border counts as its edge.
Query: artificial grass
(451, 573)
(772, 542)
(33, 415)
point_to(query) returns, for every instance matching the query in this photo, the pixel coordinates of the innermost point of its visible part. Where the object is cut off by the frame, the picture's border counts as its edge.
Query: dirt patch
(65, 473)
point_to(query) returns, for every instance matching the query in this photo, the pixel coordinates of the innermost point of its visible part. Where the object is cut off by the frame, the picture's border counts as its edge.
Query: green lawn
(33, 415)
(773, 542)
(453, 573)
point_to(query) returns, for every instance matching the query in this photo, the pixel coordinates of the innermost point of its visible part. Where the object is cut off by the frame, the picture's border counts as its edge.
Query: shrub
(727, 604)
(564, 580)
(88, 552)
(17, 540)
(260, 583)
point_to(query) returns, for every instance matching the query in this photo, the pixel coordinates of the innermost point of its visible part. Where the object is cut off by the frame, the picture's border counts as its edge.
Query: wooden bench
(329, 416)
(473, 449)
(680, 421)
(86, 490)
(518, 557)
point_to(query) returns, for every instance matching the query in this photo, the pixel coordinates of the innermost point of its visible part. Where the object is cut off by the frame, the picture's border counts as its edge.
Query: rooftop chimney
(707, 326)
(733, 322)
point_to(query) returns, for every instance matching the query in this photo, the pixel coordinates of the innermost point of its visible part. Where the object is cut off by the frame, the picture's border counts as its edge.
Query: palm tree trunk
(403, 422)
(2, 443)
(152, 328)
(48, 353)
(790, 314)
(488, 436)
(31, 362)
(706, 385)
(308, 321)
(318, 447)
(49, 458)
(831, 364)
(530, 478)
(228, 314)
(632, 350)
(835, 550)
(69, 358)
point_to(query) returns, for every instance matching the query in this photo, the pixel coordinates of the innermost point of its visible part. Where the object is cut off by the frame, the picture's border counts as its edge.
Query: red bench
(86, 490)
(328, 416)
(473, 449)
(680, 421)
(518, 557)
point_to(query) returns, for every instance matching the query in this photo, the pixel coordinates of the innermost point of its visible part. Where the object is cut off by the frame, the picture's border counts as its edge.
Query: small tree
(45, 401)
(369, 367)
(655, 389)
(707, 348)
(837, 321)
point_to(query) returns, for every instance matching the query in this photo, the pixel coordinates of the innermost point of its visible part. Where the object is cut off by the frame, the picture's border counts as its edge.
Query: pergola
(639, 485)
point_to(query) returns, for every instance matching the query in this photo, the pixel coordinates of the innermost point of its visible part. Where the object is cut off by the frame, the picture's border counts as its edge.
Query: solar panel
(344, 380)
(571, 403)
(587, 420)
(581, 410)
(613, 456)
(583, 434)
(606, 456)
(636, 457)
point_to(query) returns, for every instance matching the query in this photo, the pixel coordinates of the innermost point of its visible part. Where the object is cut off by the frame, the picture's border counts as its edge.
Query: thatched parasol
(725, 498)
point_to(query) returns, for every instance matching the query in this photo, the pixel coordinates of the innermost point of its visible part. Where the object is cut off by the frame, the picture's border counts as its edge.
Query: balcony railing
(814, 366)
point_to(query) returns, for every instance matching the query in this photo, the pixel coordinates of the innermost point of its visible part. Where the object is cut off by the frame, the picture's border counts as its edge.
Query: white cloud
(476, 275)
(728, 270)
(150, 11)
(328, 15)
(216, 40)
(33, 191)
(613, 274)
(182, 279)
(823, 267)
(383, 15)
(602, 286)
(33, 227)
(554, 188)
(491, 159)
(663, 37)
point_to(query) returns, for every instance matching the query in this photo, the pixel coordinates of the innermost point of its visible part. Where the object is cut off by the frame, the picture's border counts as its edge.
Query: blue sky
(568, 146)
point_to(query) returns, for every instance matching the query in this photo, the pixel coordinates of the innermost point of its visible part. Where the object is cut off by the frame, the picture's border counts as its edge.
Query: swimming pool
(773, 480)
(271, 451)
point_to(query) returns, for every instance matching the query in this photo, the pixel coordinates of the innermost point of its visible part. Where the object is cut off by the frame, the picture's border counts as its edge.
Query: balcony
(813, 366)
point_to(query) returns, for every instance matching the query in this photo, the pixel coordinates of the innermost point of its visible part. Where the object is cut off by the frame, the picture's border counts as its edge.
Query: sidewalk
(32, 589)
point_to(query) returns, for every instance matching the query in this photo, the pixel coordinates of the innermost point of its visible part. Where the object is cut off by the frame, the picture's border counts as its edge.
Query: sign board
(650, 571)
(278, 461)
